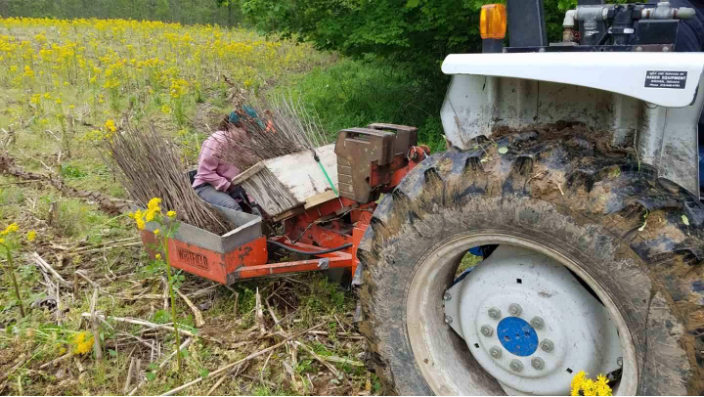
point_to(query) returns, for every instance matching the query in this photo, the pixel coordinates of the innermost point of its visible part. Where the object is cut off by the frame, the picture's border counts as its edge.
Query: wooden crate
(285, 183)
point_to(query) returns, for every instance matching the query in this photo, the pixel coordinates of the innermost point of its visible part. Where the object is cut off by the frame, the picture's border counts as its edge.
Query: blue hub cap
(517, 336)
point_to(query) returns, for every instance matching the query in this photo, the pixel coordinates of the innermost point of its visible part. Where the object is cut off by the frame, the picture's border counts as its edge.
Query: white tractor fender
(668, 80)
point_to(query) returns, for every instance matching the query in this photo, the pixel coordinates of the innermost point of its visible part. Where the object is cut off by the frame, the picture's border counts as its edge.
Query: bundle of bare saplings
(148, 164)
(267, 129)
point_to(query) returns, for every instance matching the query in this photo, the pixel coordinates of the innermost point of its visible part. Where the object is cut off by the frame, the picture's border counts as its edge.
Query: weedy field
(68, 252)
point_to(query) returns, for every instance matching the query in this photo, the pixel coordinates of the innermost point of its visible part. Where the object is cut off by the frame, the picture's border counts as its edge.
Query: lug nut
(514, 309)
(547, 345)
(448, 320)
(495, 352)
(487, 330)
(537, 363)
(516, 365)
(619, 361)
(495, 313)
(537, 322)
(447, 296)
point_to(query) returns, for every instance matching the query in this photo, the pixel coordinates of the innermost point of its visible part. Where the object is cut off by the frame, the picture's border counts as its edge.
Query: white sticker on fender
(665, 79)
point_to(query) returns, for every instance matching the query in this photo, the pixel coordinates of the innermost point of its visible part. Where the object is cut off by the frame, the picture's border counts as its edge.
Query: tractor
(572, 170)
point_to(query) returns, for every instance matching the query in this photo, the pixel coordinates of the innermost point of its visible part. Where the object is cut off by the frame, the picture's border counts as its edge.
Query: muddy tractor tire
(637, 241)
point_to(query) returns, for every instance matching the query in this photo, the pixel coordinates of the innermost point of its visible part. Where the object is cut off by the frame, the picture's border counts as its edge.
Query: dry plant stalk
(281, 128)
(148, 164)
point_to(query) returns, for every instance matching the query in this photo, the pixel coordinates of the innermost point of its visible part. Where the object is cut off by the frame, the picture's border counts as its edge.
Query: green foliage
(417, 34)
(325, 297)
(70, 171)
(357, 93)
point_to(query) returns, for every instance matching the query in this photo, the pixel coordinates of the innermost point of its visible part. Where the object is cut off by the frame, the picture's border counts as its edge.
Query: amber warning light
(492, 21)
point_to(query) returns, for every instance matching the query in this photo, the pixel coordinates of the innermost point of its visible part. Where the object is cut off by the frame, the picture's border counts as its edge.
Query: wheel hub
(517, 336)
(531, 324)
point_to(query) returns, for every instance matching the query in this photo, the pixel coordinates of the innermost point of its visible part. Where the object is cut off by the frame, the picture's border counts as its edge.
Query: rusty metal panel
(406, 136)
(360, 148)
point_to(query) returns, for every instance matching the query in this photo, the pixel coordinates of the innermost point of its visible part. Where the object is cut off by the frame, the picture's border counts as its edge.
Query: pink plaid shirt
(210, 169)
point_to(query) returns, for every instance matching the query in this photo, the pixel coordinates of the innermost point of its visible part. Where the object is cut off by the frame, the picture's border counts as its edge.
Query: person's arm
(207, 170)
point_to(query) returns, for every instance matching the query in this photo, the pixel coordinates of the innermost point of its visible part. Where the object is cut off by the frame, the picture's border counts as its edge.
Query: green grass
(354, 93)
(468, 261)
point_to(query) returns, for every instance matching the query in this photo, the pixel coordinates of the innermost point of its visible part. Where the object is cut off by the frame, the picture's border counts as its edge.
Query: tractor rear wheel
(597, 264)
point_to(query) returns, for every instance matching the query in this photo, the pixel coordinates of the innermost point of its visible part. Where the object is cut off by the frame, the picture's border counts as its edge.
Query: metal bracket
(526, 23)
(233, 277)
(323, 263)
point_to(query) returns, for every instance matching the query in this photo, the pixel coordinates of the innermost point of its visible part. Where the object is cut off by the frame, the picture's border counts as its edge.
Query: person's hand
(234, 189)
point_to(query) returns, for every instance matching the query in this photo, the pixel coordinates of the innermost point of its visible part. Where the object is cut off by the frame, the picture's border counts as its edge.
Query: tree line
(221, 12)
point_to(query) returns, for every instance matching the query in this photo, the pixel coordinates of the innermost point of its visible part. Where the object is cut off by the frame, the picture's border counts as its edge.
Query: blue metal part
(476, 251)
(517, 336)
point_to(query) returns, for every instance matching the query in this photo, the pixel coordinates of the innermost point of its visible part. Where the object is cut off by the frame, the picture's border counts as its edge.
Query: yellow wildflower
(11, 228)
(110, 125)
(602, 386)
(583, 386)
(82, 343)
(578, 379)
(153, 204)
(28, 72)
(156, 232)
(171, 214)
(588, 388)
(31, 235)
(157, 256)
(2, 241)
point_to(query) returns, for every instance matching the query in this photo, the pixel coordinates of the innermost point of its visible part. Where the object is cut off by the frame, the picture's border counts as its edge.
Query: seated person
(212, 181)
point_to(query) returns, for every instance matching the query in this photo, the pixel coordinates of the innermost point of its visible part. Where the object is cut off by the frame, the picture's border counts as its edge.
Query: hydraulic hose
(286, 247)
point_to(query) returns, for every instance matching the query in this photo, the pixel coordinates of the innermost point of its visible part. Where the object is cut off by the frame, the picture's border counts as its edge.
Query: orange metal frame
(329, 225)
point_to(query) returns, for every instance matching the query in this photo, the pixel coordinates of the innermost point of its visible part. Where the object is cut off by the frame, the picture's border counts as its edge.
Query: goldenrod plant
(8, 242)
(583, 386)
(60, 71)
(82, 343)
(168, 223)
